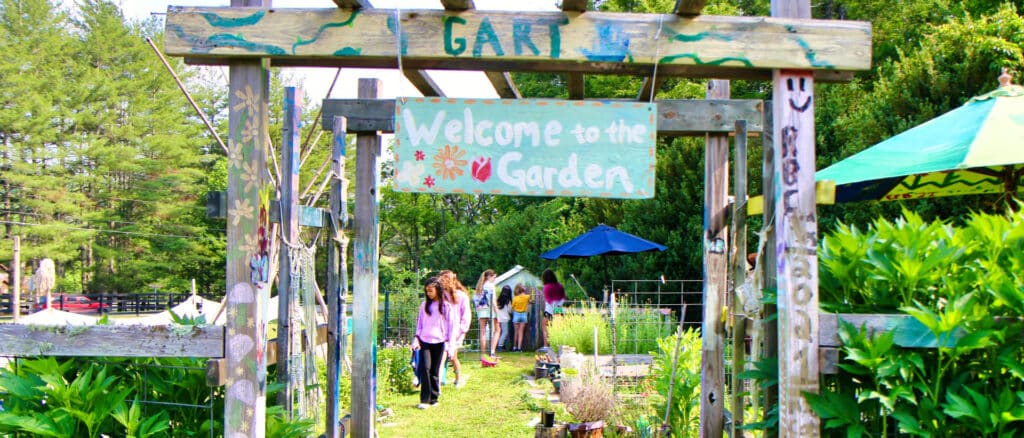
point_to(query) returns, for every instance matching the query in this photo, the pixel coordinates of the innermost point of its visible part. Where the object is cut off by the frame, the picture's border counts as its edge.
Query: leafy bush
(964, 290)
(684, 414)
(394, 373)
(576, 327)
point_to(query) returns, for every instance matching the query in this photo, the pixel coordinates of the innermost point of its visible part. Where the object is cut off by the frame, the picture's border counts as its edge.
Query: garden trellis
(249, 36)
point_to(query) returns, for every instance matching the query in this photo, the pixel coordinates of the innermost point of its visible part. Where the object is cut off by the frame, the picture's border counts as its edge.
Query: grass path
(493, 403)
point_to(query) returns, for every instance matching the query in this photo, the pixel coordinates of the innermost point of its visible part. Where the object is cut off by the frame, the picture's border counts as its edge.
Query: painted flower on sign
(429, 181)
(420, 156)
(448, 162)
(481, 169)
(410, 173)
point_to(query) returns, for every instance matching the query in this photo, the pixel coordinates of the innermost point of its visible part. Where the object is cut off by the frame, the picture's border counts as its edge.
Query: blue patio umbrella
(602, 240)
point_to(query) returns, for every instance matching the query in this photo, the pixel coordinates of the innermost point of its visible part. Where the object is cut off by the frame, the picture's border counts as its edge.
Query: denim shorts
(518, 317)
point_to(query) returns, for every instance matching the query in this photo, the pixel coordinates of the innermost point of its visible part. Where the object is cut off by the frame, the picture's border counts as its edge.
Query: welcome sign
(600, 149)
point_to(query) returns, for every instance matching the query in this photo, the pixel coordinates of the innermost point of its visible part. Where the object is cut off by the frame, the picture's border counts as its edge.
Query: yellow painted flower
(448, 162)
(251, 244)
(247, 100)
(234, 154)
(250, 175)
(240, 210)
(251, 130)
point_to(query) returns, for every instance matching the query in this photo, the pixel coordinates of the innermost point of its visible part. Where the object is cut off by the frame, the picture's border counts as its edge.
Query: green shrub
(684, 415)
(964, 290)
(394, 373)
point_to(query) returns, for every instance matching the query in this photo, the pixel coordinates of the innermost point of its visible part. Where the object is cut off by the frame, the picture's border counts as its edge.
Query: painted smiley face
(798, 94)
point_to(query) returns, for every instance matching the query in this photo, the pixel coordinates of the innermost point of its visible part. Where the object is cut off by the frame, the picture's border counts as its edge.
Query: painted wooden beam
(716, 191)
(353, 4)
(424, 83)
(216, 368)
(365, 250)
(289, 326)
(688, 7)
(593, 42)
(739, 277)
(503, 84)
(675, 117)
(112, 340)
(576, 85)
(769, 323)
(574, 5)
(337, 280)
(457, 5)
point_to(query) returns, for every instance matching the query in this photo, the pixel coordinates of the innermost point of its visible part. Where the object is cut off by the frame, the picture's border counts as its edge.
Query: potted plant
(590, 401)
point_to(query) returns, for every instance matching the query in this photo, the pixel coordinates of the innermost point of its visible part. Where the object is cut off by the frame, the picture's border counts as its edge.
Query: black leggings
(430, 367)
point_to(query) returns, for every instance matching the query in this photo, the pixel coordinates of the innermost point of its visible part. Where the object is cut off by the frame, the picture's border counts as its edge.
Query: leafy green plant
(684, 413)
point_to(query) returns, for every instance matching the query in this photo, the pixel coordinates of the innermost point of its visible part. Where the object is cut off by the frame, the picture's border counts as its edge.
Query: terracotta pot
(593, 429)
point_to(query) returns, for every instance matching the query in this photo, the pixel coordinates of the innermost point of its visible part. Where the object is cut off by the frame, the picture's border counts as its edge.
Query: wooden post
(716, 190)
(289, 331)
(16, 279)
(336, 277)
(364, 272)
(769, 324)
(797, 243)
(739, 232)
(248, 246)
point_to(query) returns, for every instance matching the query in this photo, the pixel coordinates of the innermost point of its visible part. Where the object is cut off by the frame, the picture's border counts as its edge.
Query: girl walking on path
(554, 297)
(432, 331)
(520, 307)
(460, 318)
(483, 299)
(503, 315)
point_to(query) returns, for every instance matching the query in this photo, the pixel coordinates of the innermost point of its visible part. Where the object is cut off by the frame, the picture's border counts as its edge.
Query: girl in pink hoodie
(460, 318)
(433, 330)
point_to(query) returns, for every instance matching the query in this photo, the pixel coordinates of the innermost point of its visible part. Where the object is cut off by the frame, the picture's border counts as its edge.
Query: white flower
(411, 173)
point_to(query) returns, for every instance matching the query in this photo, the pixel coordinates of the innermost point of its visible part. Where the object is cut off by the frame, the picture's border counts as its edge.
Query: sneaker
(461, 381)
(415, 382)
(422, 406)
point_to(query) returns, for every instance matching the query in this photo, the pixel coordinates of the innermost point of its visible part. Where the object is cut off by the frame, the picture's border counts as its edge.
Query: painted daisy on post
(448, 162)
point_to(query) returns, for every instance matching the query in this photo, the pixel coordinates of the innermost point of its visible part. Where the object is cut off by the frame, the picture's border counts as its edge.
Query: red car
(72, 303)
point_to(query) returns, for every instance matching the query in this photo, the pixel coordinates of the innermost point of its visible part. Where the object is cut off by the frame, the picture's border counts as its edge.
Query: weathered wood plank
(288, 326)
(574, 5)
(576, 85)
(458, 5)
(424, 83)
(248, 241)
(769, 324)
(828, 360)
(335, 273)
(594, 42)
(503, 84)
(874, 323)
(739, 275)
(688, 7)
(112, 340)
(364, 272)
(716, 265)
(797, 226)
(675, 117)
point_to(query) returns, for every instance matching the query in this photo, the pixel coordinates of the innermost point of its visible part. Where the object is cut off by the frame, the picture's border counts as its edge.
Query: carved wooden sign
(525, 147)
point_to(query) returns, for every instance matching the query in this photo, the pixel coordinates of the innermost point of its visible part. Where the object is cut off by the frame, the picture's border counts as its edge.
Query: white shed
(517, 275)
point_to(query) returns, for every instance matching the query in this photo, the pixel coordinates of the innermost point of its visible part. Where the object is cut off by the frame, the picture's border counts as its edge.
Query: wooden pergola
(788, 48)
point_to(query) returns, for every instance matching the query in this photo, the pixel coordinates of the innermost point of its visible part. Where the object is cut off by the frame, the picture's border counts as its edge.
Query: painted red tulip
(481, 170)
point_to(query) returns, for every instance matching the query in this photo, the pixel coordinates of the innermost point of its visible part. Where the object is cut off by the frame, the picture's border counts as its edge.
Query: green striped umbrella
(975, 149)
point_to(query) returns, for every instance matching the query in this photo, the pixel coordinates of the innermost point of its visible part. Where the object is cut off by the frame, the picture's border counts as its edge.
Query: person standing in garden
(432, 332)
(483, 299)
(460, 318)
(554, 298)
(503, 313)
(520, 307)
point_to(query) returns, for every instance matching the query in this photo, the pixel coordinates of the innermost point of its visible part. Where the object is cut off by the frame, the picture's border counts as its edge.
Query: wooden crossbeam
(688, 7)
(576, 85)
(216, 368)
(424, 83)
(503, 84)
(675, 117)
(592, 42)
(111, 340)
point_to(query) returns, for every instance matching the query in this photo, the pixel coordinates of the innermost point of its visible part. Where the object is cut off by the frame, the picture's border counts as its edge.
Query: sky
(316, 81)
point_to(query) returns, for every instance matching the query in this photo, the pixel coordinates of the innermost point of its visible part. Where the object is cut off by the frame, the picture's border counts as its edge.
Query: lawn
(494, 402)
